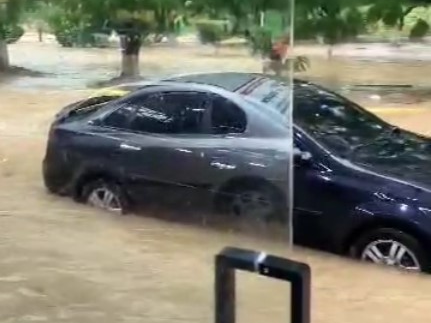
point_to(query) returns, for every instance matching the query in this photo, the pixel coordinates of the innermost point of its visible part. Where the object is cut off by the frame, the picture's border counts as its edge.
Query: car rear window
(269, 91)
(228, 81)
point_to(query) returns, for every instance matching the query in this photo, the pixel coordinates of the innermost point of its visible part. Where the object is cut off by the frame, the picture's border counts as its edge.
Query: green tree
(131, 19)
(9, 15)
(243, 14)
(333, 21)
(236, 10)
(393, 12)
(38, 16)
(11, 12)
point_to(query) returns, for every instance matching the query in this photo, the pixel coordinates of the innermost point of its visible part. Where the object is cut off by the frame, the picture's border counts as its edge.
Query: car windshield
(334, 121)
(346, 129)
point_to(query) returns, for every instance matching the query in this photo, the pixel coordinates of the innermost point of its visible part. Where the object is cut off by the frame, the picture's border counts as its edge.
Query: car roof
(230, 81)
(173, 85)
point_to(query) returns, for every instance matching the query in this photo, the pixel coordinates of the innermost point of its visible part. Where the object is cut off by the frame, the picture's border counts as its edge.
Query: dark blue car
(361, 185)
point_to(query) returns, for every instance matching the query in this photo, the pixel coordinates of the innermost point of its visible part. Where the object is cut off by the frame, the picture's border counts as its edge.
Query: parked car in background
(361, 186)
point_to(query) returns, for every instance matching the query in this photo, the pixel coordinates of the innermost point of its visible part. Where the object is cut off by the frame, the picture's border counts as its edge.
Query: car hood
(406, 174)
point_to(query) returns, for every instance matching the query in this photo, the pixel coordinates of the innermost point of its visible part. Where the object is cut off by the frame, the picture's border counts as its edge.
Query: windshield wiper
(393, 131)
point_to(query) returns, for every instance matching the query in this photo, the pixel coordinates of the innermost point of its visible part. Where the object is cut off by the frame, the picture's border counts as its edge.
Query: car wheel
(391, 247)
(105, 195)
(259, 202)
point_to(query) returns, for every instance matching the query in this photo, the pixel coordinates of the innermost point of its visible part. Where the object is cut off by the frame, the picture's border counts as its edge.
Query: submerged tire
(105, 195)
(391, 247)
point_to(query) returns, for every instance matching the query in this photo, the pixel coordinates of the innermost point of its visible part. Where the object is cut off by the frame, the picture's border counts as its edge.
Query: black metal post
(225, 292)
(231, 259)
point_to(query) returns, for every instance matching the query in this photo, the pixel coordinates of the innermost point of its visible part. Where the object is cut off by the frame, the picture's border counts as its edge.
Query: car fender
(395, 215)
(88, 172)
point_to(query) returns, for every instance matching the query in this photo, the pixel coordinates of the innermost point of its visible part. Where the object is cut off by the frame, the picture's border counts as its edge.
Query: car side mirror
(301, 157)
(95, 122)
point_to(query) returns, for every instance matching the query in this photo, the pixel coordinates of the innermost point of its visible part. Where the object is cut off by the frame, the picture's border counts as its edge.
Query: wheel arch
(244, 181)
(388, 223)
(90, 176)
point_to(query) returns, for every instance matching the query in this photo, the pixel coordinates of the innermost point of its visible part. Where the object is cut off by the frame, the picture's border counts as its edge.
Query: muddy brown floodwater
(63, 262)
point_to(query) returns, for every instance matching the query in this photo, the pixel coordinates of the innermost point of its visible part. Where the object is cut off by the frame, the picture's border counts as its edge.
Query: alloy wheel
(391, 253)
(105, 199)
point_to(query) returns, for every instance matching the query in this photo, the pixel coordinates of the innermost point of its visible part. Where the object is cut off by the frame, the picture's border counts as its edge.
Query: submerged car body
(361, 186)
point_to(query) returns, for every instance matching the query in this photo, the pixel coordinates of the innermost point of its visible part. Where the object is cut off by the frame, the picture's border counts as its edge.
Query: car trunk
(82, 108)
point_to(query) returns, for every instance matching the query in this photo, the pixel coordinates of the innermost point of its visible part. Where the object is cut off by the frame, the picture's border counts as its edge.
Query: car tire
(105, 195)
(257, 201)
(387, 246)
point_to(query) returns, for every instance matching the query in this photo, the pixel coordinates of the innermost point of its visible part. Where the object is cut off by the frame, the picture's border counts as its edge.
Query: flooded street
(63, 262)
(374, 74)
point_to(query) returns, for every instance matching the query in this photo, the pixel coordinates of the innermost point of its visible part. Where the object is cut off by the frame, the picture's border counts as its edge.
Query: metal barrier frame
(231, 259)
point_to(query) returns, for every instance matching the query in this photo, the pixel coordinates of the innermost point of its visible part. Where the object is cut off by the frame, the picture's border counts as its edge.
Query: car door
(324, 194)
(309, 181)
(162, 147)
(225, 146)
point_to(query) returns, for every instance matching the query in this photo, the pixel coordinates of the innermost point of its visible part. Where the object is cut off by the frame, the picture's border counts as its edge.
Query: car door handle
(129, 147)
(222, 165)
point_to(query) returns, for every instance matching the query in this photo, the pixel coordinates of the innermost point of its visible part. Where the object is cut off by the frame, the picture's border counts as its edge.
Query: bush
(260, 41)
(74, 37)
(69, 30)
(211, 32)
(419, 30)
(13, 33)
(66, 38)
(64, 29)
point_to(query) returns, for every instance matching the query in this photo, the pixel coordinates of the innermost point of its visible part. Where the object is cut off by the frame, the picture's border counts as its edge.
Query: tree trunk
(40, 34)
(330, 52)
(129, 65)
(172, 39)
(262, 19)
(216, 49)
(4, 56)
(131, 45)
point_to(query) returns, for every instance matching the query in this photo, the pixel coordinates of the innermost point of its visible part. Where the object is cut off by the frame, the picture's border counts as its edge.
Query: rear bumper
(55, 177)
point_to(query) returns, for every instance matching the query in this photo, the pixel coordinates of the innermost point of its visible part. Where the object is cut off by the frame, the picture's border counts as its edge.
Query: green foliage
(419, 30)
(144, 21)
(10, 14)
(13, 33)
(355, 22)
(333, 21)
(260, 41)
(123, 16)
(337, 24)
(305, 28)
(68, 27)
(374, 14)
(392, 13)
(212, 32)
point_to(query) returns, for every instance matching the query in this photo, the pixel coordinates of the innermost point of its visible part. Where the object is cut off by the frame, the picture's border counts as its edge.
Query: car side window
(120, 117)
(170, 113)
(227, 117)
